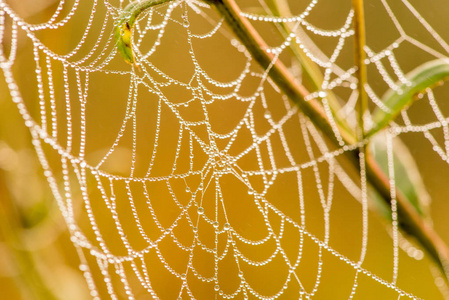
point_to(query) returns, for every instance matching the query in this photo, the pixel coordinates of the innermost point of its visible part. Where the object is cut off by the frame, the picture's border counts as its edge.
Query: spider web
(194, 176)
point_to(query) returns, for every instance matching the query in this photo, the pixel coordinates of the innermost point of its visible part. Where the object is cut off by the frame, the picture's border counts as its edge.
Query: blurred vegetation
(37, 259)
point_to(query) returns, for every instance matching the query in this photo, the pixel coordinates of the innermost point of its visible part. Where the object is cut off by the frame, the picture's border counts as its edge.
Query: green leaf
(407, 176)
(420, 79)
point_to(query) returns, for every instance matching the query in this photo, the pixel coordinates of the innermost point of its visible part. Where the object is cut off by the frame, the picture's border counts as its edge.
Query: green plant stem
(359, 55)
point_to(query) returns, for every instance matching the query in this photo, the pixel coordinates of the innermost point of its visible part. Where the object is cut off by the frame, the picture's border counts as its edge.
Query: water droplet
(267, 114)
(322, 94)
(226, 226)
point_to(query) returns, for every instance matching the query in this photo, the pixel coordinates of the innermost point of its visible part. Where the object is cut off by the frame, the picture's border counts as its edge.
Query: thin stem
(359, 55)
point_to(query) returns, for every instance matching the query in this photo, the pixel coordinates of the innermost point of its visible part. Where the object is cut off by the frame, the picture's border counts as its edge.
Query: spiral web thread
(201, 171)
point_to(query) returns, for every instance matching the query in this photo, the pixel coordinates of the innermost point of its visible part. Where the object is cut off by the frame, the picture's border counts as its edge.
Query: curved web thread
(206, 184)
